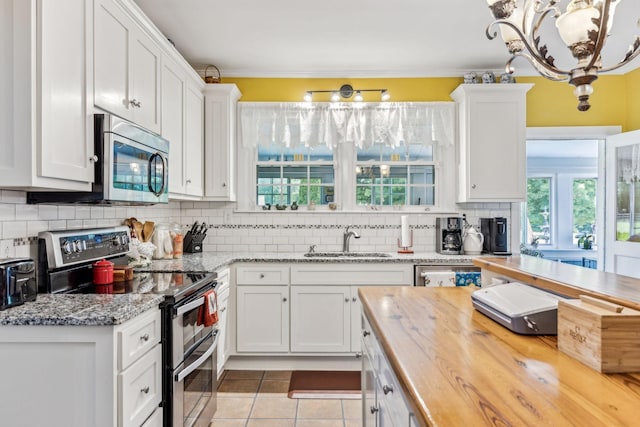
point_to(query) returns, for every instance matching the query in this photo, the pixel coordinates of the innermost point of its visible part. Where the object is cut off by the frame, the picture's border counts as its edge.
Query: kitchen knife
(193, 228)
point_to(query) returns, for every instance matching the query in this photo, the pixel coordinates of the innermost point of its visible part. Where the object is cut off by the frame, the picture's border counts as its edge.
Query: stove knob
(67, 247)
(77, 246)
(124, 239)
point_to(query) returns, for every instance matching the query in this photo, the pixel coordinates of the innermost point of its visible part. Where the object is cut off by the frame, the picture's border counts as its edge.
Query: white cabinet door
(173, 105)
(369, 403)
(320, 319)
(145, 81)
(262, 318)
(356, 323)
(111, 58)
(223, 314)
(194, 141)
(491, 151)
(127, 67)
(46, 134)
(65, 42)
(220, 141)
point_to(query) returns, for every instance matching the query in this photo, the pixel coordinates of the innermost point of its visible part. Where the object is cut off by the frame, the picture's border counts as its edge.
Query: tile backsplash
(230, 231)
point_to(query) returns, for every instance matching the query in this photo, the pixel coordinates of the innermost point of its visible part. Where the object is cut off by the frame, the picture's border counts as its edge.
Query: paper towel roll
(405, 237)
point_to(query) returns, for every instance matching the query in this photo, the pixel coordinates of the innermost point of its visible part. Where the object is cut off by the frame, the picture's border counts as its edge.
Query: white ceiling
(351, 38)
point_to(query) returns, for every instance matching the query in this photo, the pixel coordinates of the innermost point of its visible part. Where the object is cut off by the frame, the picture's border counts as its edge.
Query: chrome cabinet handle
(188, 181)
(145, 390)
(346, 300)
(93, 158)
(262, 275)
(223, 309)
(473, 186)
(145, 337)
(284, 299)
(358, 355)
(386, 389)
(365, 333)
(354, 299)
(373, 409)
(135, 103)
(224, 184)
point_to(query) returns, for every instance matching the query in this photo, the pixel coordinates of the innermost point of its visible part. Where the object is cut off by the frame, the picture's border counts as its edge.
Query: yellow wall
(548, 103)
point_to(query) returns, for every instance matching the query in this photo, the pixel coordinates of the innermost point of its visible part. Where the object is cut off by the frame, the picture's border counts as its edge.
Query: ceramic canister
(102, 272)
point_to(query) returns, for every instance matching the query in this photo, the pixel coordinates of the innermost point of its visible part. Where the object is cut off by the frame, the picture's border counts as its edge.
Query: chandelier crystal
(583, 27)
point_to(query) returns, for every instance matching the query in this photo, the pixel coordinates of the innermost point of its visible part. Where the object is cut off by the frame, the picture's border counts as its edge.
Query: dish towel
(439, 278)
(208, 312)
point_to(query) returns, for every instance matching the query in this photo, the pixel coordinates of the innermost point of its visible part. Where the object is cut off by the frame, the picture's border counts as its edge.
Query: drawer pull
(358, 355)
(373, 409)
(262, 275)
(386, 389)
(346, 300)
(284, 299)
(223, 309)
(354, 299)
(145, 337)
(145, 390)
(365, 333)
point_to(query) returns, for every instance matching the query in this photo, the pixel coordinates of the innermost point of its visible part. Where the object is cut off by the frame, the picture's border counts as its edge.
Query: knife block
(193, 243)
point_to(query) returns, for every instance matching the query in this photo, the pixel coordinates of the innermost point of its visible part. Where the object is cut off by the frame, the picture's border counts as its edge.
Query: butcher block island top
(569, 280)
(457, 367)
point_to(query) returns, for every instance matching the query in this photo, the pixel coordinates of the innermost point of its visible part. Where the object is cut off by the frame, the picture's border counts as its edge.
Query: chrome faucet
(346, 236)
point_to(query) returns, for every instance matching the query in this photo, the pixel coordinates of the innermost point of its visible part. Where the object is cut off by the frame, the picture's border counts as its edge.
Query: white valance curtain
(293, 124)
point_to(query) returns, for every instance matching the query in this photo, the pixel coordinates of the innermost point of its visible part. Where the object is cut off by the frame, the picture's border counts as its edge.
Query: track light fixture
(347, 91)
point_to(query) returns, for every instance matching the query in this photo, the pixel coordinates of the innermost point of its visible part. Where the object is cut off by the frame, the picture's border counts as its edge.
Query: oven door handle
(189, 369)
(190, 306)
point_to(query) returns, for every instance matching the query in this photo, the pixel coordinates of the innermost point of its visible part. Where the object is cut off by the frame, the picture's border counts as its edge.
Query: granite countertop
(206, 261)
(113, 309)
(80, 310)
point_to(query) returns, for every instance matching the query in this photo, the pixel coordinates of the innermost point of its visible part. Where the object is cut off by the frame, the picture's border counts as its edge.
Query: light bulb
(385, 95)
(335, 97)
(308, 97)
(358, 97)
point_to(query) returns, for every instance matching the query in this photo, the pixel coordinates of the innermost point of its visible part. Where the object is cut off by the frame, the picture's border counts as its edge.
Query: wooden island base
(457, 367)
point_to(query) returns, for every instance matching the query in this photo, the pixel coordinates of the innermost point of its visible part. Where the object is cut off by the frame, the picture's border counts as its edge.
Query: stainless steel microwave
(131, 168)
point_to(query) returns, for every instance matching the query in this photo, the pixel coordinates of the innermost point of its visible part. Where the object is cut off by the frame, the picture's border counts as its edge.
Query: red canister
(102, 272)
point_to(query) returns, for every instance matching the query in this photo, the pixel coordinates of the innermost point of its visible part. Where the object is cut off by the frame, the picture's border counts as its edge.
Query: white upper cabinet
(127, 67)
(220, 141)
(491, 152)
(47, 138)
(183, 126)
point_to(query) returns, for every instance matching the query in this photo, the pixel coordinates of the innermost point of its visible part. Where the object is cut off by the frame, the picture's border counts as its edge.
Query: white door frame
(580, 132)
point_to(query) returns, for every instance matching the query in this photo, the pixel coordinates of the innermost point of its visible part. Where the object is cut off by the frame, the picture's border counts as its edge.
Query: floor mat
(324, 385)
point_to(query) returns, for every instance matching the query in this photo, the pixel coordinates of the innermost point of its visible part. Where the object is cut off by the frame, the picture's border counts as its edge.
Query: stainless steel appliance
(131, 167)
(496, 235)
(449, 235)
(520, 308)
(18, 282)
(422, 272)
(189, 350)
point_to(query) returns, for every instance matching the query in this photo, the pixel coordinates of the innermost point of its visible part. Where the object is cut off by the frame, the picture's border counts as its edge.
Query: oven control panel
(64, 248)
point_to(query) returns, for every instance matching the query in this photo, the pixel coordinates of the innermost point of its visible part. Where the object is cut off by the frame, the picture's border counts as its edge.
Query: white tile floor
(259, 399)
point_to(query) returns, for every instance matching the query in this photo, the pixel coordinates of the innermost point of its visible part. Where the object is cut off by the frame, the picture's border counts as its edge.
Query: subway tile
(7, 212)
(11, 196)
(28, 212)
(14, 229)
(66, 212)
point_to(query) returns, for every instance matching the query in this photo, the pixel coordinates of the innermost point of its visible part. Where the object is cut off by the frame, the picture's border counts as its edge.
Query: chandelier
(583, 27)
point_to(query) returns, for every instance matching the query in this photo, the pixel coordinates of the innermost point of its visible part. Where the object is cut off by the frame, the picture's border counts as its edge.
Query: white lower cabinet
(321, 319)
(383, 401)
(263, 318)
(78, 376)
(222, 291)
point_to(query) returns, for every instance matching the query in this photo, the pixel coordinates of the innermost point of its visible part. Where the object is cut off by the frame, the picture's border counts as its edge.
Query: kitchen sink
(347, 254)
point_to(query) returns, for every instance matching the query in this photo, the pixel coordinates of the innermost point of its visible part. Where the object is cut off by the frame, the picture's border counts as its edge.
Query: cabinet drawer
(392, 396)
(140, 389)
(263, 275)
(137, 338)
(390, 274)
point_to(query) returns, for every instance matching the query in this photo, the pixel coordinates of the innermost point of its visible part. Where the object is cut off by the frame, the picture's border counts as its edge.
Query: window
(302, 175)
(538, 210)
(378, 156)
(390, 176)
(584, 209)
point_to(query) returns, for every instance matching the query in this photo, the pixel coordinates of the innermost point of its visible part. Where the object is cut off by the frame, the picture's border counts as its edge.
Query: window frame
(344, 161)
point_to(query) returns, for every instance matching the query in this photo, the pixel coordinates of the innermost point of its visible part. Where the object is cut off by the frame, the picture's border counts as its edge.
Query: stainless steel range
(189, 349)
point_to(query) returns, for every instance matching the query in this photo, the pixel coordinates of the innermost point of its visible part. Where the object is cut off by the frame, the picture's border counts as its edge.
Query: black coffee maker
(496, 236)
(449, 235)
